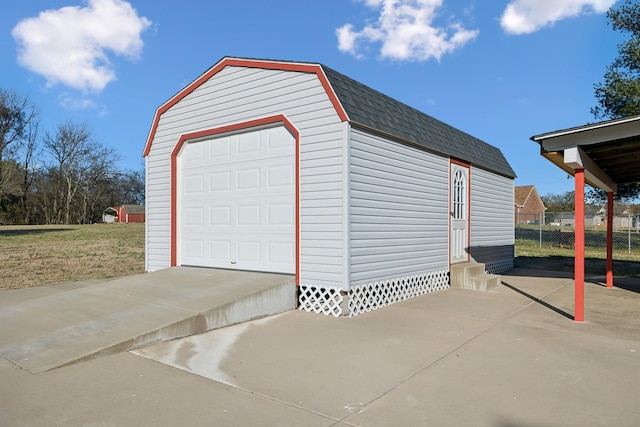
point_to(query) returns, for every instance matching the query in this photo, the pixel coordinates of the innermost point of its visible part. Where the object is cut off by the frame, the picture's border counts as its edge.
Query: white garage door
(236, 202)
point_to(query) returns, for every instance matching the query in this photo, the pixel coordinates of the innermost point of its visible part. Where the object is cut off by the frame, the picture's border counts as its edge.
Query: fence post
(540, 217)
(629, 232)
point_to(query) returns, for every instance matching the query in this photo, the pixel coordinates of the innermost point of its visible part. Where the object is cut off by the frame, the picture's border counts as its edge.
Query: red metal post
(579, 247)
(609, 239)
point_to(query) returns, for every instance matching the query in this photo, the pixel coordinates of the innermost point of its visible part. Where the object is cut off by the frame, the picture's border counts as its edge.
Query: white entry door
(459, 214)
(237, 202)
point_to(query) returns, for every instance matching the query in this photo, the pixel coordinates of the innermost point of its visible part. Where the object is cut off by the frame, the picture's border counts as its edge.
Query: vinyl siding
(238, 94)
(398, 208)
(492, 232)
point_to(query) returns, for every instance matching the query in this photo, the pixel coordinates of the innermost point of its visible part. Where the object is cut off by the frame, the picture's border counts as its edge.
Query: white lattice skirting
(499, 266)
(320, 300)
(371, 296)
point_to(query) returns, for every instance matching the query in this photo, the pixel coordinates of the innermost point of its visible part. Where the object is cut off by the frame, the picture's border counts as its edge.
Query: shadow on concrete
(594, 266)
(539, 301)
(31, 231)
(631, 284)
(534, 272)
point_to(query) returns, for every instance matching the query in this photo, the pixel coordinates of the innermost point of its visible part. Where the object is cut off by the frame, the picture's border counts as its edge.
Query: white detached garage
(294, 168)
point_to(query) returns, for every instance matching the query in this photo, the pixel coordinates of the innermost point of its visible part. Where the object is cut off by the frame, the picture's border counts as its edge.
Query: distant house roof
(526, 197)
(521, 193)
(374, 110)
(134, 209)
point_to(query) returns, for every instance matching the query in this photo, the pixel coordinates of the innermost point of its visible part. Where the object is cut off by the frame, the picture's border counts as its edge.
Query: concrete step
(484, 282)
(80, 324)
(471, 275)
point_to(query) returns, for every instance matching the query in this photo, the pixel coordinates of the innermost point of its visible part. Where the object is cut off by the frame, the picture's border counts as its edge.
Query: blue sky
(500, 70)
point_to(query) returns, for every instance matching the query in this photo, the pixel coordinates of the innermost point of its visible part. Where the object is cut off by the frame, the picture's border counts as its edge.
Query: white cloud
(71, 45)
(406, 31)
(70, 102)
(527, 16)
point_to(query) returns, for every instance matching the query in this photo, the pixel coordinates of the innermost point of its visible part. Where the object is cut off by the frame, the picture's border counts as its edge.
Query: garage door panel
(282, 253)
(196, 153)
(194, 248)
(194, 216)
(220, 182)
(237, 205)
(280, 176)
(280, 215)
(278, 138)
(248, 215)
(220, 216)
(220, 250)
(248, 179)
(248, 251)
(249, 142)
(220, 148)
(194, 183)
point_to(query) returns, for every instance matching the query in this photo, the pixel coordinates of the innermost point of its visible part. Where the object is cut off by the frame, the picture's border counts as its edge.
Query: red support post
(609, 239)
(579, 247)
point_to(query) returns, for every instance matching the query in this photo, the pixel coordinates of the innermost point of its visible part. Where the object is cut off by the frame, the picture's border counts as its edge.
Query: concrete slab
(353, 360)
(64, 327)
(127, 390)
(450, 358)
(516, 375)
(379, 368)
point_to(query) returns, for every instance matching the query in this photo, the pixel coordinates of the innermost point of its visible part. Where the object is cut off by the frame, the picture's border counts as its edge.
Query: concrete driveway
(511, 357)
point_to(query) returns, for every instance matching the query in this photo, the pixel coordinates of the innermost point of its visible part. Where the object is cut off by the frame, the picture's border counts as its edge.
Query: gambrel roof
(367, 108)
(374, 110)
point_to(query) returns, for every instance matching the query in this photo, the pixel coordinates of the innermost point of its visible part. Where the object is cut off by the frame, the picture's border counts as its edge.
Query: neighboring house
(124, 213)
(109, 215)
(294, 168)
(594, 216)
(528, 206)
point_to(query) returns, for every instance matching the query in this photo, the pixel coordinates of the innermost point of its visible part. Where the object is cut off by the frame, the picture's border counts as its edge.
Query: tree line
(618, 95)
(565, 202)
(59, 176)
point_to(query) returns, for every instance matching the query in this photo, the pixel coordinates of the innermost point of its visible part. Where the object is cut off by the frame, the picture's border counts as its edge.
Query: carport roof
(609, 151)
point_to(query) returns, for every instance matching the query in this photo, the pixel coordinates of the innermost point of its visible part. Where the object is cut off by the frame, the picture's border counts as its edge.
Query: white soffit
(575, 158)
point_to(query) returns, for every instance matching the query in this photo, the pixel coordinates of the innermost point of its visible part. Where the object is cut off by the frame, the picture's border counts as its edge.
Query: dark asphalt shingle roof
(372, 109)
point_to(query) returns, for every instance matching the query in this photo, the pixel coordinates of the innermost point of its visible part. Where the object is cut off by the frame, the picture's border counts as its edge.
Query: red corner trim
(236, 62)
(280, 118)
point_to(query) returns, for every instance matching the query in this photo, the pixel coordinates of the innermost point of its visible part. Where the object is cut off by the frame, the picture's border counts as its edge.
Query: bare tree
(16, 113)
(29, 152)
(80, 161)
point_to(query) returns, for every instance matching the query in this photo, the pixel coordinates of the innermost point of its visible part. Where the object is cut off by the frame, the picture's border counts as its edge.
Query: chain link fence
(557, 229)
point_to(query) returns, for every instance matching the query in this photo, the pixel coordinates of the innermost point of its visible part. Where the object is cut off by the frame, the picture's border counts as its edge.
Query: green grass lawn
(529, 254)
(49, 254)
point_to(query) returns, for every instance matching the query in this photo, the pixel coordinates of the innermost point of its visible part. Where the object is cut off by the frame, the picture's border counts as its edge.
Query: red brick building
(528, 206)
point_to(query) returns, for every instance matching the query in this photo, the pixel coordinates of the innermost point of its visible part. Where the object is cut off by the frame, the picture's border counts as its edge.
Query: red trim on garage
(280, 118)
(235, 62)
